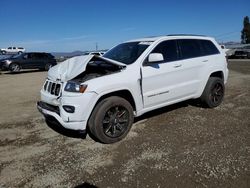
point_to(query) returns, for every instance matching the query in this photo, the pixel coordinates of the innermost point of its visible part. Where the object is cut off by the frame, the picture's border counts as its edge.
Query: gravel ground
(178, 146)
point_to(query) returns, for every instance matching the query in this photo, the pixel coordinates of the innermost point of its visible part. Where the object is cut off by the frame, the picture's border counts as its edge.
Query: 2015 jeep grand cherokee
(104, 94)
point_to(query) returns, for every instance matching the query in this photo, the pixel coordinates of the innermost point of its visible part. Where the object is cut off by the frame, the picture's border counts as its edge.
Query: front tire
(14, 67)
(111, 119)
(213, 93)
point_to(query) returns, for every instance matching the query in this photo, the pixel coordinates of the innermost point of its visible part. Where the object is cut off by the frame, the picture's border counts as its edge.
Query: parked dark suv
(30, 60)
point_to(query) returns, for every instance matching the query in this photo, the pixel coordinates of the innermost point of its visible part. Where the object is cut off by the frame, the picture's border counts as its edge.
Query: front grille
(52, 87)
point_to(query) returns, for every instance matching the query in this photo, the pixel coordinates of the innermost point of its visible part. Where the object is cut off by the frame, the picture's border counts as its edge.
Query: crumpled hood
(72, 67)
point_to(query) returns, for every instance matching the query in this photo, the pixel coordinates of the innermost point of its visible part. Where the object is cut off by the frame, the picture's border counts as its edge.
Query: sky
(69, 25)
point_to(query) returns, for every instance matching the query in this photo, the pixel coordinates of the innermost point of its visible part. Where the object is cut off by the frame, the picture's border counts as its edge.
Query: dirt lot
(178, 146)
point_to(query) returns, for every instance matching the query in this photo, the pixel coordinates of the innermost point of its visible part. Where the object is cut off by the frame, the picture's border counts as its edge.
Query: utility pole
(96, 46)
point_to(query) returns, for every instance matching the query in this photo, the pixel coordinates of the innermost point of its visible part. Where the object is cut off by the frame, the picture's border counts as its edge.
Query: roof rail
(186, 35)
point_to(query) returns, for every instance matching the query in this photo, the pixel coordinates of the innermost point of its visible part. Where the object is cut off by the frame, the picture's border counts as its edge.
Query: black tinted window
(38, 56)
(27, 56)
(190, 48)
(49, 56)
(168, 49)
(208, 47)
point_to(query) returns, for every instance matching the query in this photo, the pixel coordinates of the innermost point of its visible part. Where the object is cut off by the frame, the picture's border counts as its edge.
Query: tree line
(245, 33)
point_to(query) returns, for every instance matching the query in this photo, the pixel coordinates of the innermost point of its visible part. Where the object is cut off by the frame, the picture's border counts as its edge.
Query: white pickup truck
(12, 50)
(101, 95)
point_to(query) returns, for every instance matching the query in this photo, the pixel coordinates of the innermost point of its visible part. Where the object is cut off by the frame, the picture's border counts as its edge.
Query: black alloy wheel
(115, 121)
(217, 93)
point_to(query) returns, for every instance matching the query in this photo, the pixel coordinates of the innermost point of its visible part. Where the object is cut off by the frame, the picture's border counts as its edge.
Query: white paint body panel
(151, 87)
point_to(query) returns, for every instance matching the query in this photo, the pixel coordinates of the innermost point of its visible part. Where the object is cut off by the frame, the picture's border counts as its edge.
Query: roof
(171, 36)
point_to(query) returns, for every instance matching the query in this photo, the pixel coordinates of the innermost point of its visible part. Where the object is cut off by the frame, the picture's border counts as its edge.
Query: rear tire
(111, 120)
(213, 93)
(14, 67)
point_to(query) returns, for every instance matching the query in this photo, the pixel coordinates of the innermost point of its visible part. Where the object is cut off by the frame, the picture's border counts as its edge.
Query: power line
(227, 34)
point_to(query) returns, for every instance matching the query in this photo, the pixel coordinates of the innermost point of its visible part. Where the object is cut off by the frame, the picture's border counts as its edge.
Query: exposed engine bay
(96, 69)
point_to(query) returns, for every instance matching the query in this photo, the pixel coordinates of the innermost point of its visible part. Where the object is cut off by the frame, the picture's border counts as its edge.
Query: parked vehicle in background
(103, 94)
(243, 52)
(29, 60)
(12, 50)
(99, 53)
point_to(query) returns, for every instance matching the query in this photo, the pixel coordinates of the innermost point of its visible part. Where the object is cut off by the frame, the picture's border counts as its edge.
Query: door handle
(205, 60)
(177, 66)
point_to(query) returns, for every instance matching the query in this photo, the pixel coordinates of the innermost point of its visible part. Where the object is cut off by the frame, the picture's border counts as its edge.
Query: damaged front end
(65, 97)
(75, 66)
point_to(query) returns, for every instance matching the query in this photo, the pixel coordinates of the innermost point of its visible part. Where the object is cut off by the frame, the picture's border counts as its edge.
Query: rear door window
(38, 56)
(190, 48)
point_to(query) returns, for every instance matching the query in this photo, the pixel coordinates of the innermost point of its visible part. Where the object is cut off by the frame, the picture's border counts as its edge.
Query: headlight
(7, 62)
(75, 87)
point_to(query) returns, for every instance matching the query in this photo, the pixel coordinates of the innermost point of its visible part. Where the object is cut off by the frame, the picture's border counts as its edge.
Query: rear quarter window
(208, 47)
(49, 56)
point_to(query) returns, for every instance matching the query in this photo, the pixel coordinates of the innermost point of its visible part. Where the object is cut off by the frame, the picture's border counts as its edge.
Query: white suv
(103, 94)
(12, 50)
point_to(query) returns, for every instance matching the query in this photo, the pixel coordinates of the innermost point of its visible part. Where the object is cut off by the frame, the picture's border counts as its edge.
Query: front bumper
(3, 66)
(49, 112)
(51, 105)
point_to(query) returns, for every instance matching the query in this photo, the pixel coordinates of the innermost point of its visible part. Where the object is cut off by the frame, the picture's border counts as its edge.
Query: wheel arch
(218, 74)
(123, 93)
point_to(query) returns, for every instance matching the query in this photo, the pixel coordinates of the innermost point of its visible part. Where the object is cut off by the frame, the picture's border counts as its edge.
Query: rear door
(38, 60)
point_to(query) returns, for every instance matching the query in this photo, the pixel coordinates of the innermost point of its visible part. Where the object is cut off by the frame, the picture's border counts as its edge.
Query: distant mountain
(67, 54)
(71, 54)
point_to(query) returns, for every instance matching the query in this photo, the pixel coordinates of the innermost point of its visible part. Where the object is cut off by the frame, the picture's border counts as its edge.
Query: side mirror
(155, 57)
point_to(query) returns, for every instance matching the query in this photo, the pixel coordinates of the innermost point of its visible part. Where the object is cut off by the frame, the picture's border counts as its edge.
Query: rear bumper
(48, 111)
